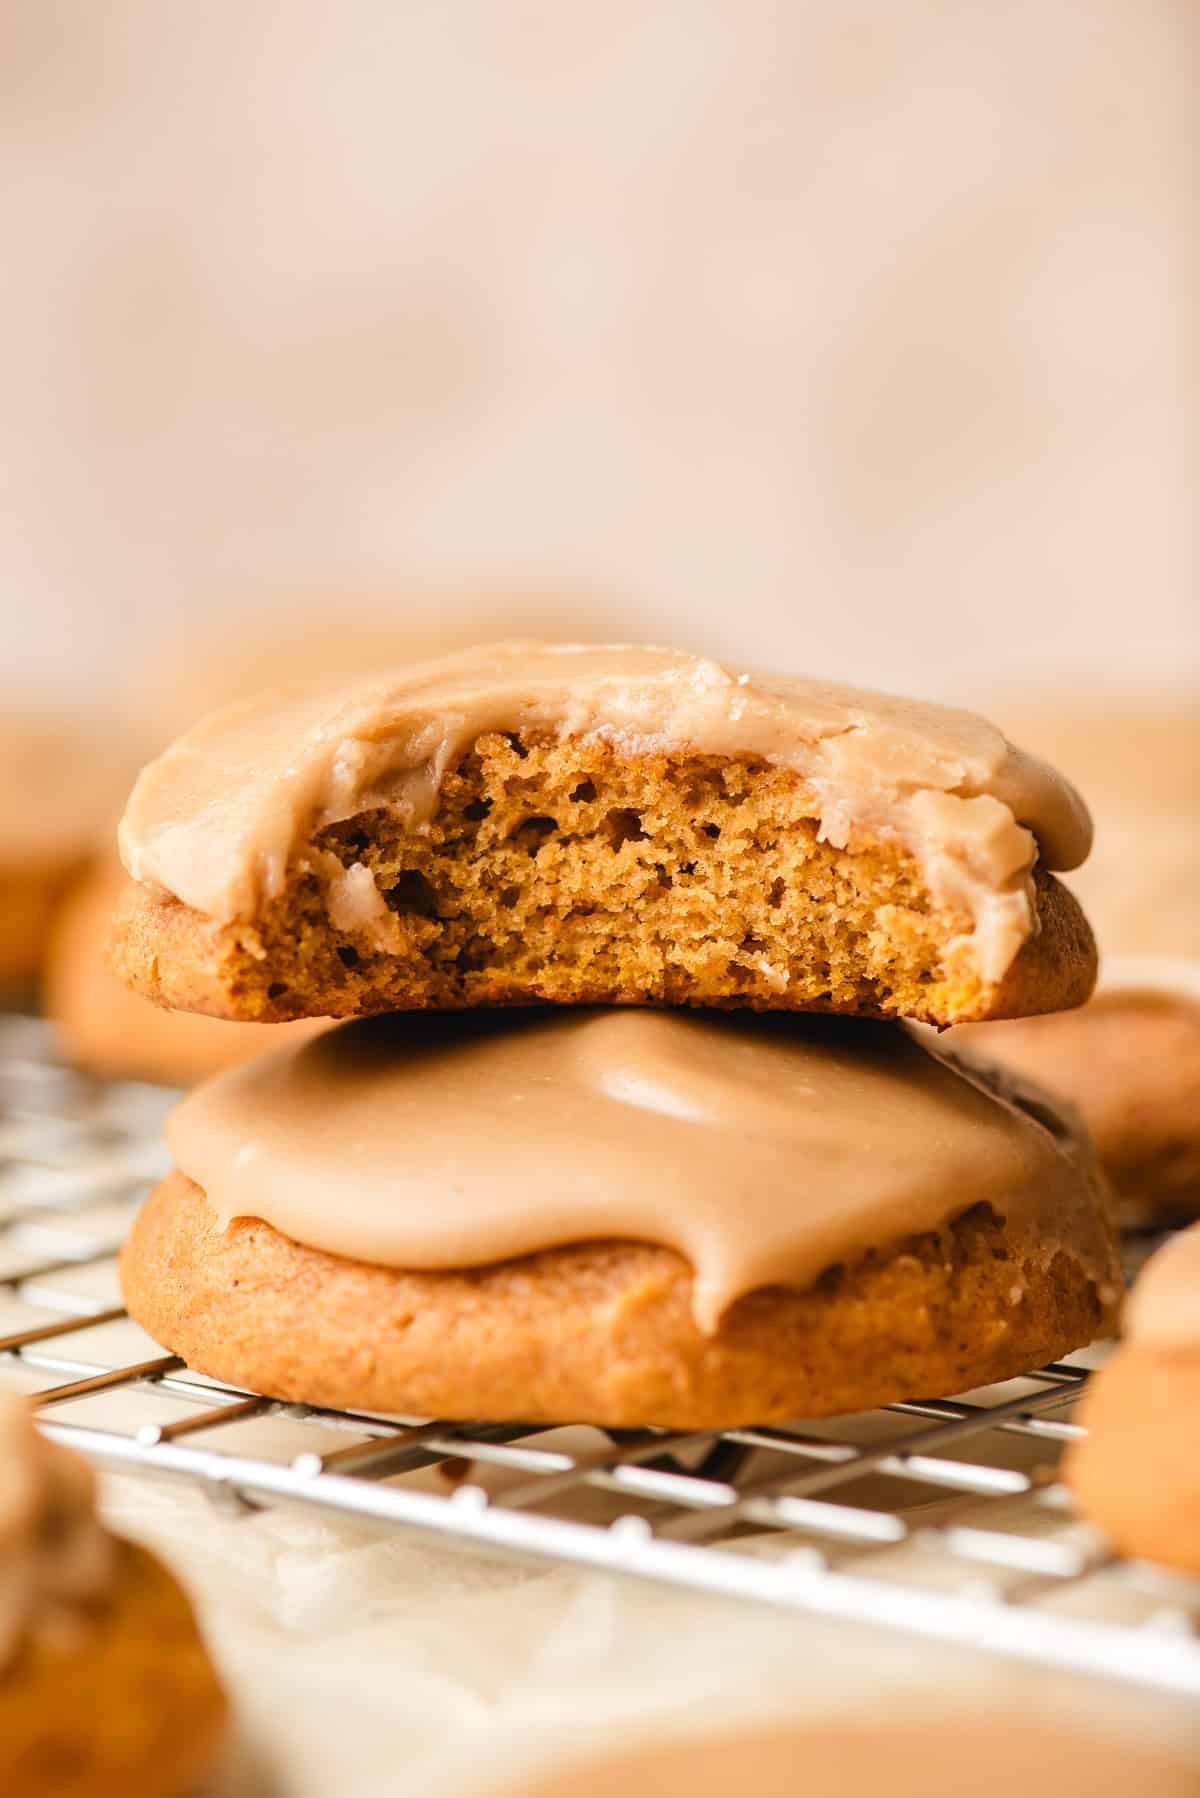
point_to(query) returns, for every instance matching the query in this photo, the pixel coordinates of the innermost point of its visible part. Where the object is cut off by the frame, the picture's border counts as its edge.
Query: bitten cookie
(1130, 1061)
(544, 822)
(113, 1032)
(105, 1685)
(104, 1027)
(1136, 1474)
(623, 1217)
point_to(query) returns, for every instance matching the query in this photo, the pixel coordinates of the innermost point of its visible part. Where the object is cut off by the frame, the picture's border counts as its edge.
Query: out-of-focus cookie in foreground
(985, 1755)
(626, 1217)
(1136, 1474)
(106, 1688)
(532, 821)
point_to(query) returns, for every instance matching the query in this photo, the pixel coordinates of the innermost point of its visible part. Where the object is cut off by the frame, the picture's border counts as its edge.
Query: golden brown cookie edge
(598, 1332)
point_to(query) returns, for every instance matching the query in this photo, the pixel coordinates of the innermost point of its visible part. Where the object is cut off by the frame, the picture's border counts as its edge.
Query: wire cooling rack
(941, 1518)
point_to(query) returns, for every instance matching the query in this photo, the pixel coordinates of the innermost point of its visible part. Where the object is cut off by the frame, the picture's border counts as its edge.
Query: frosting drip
(762, 1149)
(55, 1556)
(1163, 1310)
(219, 819)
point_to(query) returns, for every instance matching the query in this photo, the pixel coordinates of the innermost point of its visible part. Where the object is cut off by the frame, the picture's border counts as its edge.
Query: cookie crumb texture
(1136, 1474)
(602, 1332)
(566, 872)
(129, 1704)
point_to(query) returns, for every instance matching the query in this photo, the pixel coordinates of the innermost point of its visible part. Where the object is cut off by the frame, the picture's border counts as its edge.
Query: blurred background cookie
(1129, 1060)
(60, 779)
(1136, 1471)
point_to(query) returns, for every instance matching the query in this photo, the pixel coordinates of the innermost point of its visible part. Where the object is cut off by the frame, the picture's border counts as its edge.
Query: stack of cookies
(628, 1125)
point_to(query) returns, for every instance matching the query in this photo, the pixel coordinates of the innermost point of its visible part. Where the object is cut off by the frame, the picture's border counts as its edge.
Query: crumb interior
(567, 871)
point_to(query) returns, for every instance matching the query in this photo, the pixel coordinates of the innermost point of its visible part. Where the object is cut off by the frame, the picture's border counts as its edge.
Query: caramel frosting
(55, 1556)
(1163, 1310)
(221, 817)
(762, 1149)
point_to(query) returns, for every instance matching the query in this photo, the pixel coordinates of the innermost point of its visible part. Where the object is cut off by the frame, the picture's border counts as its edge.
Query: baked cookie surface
(540, 823)
(115, 1033)
(600, 1333)
(619, 1216)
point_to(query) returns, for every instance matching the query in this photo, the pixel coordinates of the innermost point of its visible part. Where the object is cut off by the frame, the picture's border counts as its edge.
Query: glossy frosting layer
(219, 819)
(763, 1149)
(55, 1557)
(1163, 1310)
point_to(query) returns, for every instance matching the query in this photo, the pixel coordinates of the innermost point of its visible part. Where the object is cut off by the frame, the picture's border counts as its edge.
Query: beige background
(859, 336)
(853, 334)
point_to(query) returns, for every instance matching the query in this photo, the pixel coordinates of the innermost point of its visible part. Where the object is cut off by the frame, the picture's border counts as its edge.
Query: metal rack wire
(942, 1518)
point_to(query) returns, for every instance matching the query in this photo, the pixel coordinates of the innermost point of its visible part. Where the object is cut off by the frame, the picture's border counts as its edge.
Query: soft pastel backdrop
(857, 336)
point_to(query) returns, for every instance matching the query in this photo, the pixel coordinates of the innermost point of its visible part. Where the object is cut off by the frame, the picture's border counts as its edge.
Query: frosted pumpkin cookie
(105, 1685)
(622, 825)
(1136, 1474)
(986, 1755)
(621, 1217)
(1130, 1061)
(109, 1030)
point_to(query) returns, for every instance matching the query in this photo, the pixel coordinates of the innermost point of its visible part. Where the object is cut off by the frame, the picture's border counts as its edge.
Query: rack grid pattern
(941, 1518)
